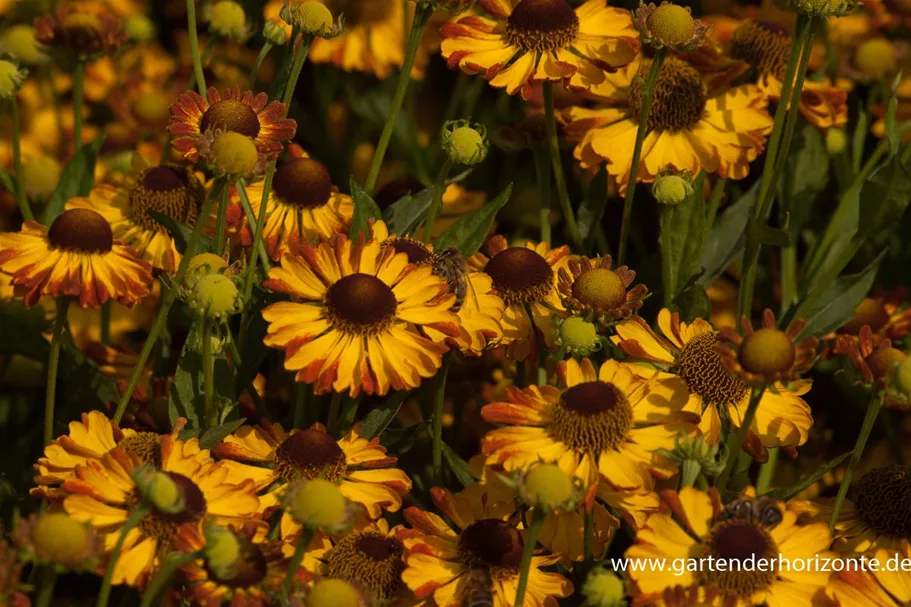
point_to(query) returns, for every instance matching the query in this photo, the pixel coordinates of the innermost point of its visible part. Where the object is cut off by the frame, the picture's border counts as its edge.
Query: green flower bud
(465, 143)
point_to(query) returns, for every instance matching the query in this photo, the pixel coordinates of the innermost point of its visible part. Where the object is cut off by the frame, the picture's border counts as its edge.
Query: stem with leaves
(53, 364)
(553, 145)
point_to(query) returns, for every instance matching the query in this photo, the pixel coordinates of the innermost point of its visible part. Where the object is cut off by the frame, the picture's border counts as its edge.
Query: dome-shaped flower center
(371, 558)
(251, 567)
(310, 454)
(765, 46)
(144, 445)
(332, 592)
(416, 250)
(82, 231)
(542, 25)
(394, 191)
(600, 288)
(162, 525)
(578, 333)
(170, 190)
(548, 485)
(593, 416)
(302, 182)
(767, 350)
(361, 304)
(231, 115)
(491, 543)
(869, 311)
(735, 541)
(358, 12)
(59, 538)
(520, 275)
(677, 101)
(700, 366)
(671, 24)
(882, 499)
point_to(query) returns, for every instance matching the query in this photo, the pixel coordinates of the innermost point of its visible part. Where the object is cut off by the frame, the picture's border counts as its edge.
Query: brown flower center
(394, 191)
(678, 99)
(416, 250)
(700, 366)
(170, 190)
(371, 558)
(600, 288)
(542, 25)
(767, 351)
(520, 275)
(302, 182)
(593, 416)
(162, 525)
(868, 312)
(310, 454)
(491, 543)
(81, 231)
(361, 304)
(144, 445)
(883, 501)
(765, 46)
(251, 568)
(231, 115)
(735, 541)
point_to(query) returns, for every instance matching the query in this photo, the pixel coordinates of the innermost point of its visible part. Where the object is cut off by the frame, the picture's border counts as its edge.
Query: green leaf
(406, 214)
(7, 181)
(364, 210)
(591, 212)
(773, 237)
(893, 134)
(375, 422)
(682, 232)
(883, 199)
(469, 232)
(181, 233)
(836, 305)
(458, 466)
(77, 179)
(187, 393)
(213, 436)
(787, 493)
(693, 302)
(805, 176)
(726, 238)
(401, 440)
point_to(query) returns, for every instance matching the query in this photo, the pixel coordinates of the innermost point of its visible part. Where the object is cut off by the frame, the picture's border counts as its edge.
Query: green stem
(105, 593)
(208, 372)
(246, 381)
(167, 300)
(542, 174)
(106, 323)
(528, 551)
(438, 421)
(689, 472)
(46, 586)
(714, 204)
(553, 144)
(421, 16)
(439, 186)
(21, 198)
(788, 277)
(876, 402)
(78, 98)
(767, 472)
(206, 53)
(299, 58)
(221, 224)
(300, 548)
(194, 47)
(165, 573)
(254, 224)
(647, 92)
(259, 62)
(735, 439)
(589, 537)
(52, 365)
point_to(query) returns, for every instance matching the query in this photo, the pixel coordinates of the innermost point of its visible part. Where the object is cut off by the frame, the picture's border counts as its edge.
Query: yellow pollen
(330, 592)
(548, 485)
(767, 351)
(312, 17)
(601, 289)
(319, 504)
(234, 154)
(19, 41)
(542, 26)
(59, 538)
(592, 416)
(671, 24)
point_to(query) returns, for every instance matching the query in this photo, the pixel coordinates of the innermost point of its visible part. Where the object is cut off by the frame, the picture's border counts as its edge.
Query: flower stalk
(105, 593)
(52, 365)
(163, 577)
(528, 551)
(24, 208)
(303, 540)
(194, 47)
(553, 144)
(438, 421)
(439, 186)
(735, 439)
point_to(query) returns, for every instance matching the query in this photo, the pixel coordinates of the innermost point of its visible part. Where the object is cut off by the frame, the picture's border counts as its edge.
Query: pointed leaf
(407, 213)
(805, 176)
(181, 233)
(378, 420)
(458, 466)
(213, 436)
(726, 237)
(682, 231)
(883, 198)
(468, 233)
(365, 209)
(77, 179)
(808, 481)
(591, 212)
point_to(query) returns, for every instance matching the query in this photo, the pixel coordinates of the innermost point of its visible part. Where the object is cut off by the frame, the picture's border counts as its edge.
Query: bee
(479, 591)
(449, 265)
(761, 510)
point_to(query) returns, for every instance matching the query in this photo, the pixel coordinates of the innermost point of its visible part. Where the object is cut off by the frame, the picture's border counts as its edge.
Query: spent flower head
(320, 505)
(159, 489)
(547, 487)
(228, 20)
(669, 26)
(576, 337)
(672, 188)
(83, 29)
(465, 143)
(56, 539)
(312, 18)
(231, 154)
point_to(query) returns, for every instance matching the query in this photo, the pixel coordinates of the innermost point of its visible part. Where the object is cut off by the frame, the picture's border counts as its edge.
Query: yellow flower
(607, 423)
(365, 473)
(529, 41)
(77, 256)
(524, 276)
(874, 588)
(173, 191)
(441, 561)
(355, 325)
(691, 529)
(104, 494)
(592, 287)
(689, 352)
(692, 127)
